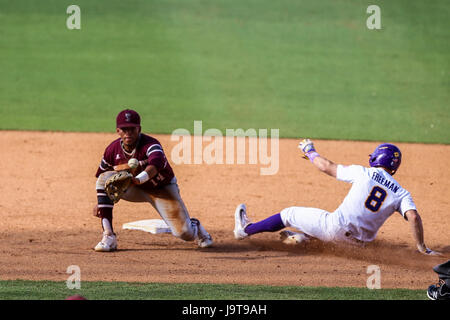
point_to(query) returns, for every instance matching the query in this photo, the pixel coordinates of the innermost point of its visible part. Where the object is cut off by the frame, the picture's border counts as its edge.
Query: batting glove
(307, 147)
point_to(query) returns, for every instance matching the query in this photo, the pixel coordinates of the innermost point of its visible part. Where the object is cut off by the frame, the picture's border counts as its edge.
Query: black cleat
(439, 291)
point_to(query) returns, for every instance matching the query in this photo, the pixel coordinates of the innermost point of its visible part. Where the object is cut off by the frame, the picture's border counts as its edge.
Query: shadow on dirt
(378, 252)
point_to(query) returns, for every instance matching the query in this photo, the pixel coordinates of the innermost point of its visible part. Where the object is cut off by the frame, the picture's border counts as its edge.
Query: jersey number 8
(375, 199)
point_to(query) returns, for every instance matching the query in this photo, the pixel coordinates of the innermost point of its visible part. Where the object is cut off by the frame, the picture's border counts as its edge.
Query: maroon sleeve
(156, 157)
(106, 164)
(153, 152)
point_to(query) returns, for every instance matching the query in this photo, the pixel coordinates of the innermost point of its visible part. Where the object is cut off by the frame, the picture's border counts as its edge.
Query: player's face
(129, 135)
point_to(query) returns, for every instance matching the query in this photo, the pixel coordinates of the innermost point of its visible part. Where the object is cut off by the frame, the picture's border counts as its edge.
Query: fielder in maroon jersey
(154, 182)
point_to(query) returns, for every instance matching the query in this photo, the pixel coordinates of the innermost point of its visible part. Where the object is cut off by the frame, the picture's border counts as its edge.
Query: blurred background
(307, 68)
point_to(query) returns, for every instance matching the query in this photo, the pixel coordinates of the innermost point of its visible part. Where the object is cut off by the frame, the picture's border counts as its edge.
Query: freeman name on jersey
(384, 182)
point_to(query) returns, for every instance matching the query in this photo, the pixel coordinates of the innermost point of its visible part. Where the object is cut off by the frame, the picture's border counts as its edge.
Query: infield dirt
(48, 192)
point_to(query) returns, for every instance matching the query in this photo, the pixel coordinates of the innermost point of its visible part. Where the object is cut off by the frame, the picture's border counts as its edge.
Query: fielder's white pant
(317, 223)
(166, 201)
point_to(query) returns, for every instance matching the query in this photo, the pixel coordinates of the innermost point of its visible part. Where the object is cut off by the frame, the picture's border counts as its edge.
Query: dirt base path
(48, 191)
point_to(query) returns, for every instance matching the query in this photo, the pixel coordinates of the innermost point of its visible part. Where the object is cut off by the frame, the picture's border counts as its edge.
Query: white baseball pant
(166, 201)
(317, 223)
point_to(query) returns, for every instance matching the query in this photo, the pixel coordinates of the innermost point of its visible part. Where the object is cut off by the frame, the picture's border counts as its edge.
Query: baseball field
(293, 69)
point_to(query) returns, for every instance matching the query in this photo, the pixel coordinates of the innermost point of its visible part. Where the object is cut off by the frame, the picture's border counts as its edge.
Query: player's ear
(139, 129)
(118, 130)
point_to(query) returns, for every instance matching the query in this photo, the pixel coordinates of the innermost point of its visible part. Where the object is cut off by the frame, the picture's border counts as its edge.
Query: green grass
(309, 68)
(50, 290)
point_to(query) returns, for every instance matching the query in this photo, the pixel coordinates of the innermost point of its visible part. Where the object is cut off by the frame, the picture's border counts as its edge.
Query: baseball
(133, 163)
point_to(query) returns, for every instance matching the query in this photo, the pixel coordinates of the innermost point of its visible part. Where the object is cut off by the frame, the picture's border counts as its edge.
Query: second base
(153, 226)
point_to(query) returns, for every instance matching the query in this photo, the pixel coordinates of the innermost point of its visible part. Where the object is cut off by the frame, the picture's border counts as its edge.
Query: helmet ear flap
(373, 158)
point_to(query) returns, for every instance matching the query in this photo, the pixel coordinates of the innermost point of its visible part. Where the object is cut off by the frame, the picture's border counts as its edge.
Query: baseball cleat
(205, 242)
(108, 243)
(204, 239)
(240, 222)
(293, 238)
(439, 291)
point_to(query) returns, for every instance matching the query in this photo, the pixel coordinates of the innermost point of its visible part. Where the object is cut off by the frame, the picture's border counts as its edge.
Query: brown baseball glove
(117, 184)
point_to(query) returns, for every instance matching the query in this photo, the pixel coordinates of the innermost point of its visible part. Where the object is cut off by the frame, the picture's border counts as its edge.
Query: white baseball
(133, 163)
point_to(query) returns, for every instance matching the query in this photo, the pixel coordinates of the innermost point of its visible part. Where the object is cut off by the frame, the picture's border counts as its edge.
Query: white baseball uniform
(374, 196)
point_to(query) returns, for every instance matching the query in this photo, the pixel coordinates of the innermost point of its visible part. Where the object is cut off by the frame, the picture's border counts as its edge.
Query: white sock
(107, 227)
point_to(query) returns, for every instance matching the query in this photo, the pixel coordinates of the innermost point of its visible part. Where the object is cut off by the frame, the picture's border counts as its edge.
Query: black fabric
(443, 271)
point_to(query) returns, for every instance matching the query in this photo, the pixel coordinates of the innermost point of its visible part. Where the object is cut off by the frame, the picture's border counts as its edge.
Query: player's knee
(101, 180)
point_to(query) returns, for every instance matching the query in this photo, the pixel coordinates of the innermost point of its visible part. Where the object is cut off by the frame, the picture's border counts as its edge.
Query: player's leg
(318, 223)
(443, 271)
(104, 210)
(313, 222)
(169, 204)
(244, 227)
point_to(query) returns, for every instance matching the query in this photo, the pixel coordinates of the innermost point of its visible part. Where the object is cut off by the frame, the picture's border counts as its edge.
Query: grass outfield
(309, 68)
(50, 290)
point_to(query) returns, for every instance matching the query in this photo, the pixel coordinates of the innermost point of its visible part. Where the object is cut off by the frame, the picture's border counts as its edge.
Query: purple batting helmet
(386, 155)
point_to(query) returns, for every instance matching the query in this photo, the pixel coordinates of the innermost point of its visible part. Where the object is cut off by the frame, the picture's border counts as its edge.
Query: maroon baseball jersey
(147, 148)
